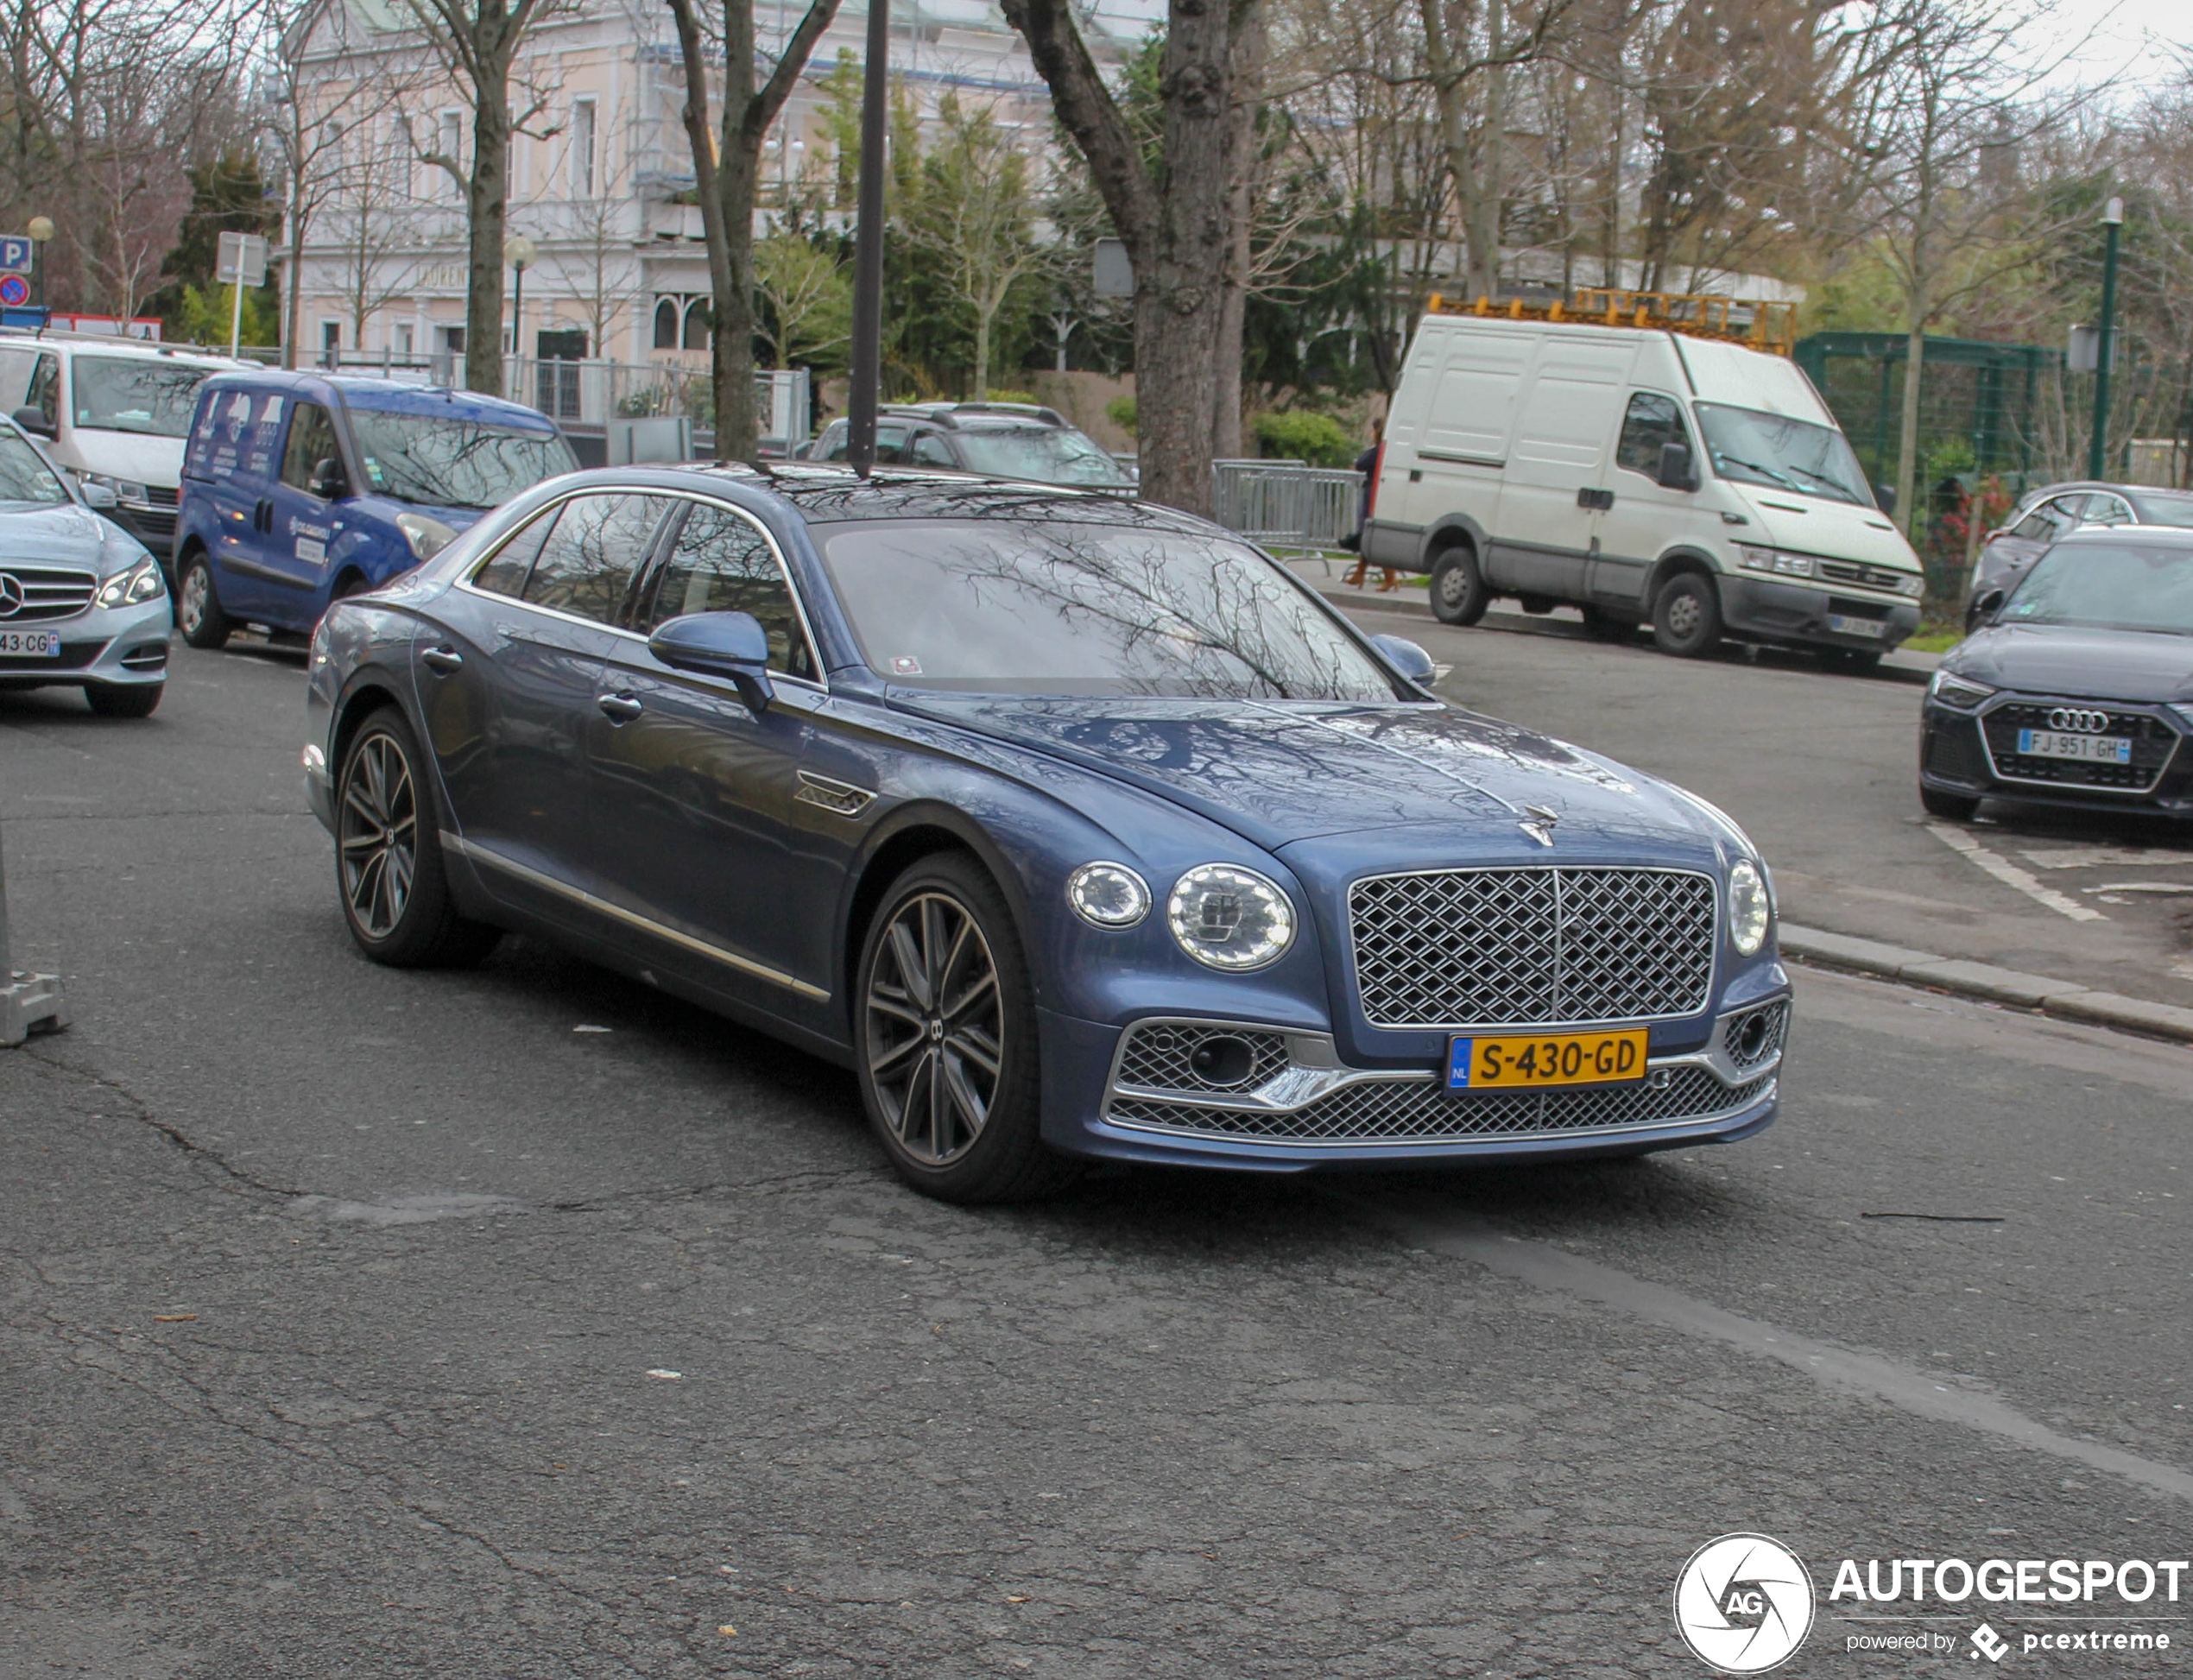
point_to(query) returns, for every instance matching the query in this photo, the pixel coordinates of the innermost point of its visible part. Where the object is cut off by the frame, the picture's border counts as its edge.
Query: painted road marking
(2011, 875)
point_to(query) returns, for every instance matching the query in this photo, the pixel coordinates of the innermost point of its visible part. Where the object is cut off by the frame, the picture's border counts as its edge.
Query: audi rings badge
(2077, 720)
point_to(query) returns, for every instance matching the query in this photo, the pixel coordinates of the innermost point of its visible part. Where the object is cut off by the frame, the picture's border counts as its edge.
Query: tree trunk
(731, 276)
(1473, 160)
(1246, 52)
(1907, 502)
(985, 322)
(487, 207)
(293, 305)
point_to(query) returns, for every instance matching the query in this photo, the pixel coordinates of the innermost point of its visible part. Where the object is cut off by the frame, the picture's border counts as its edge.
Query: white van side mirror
(1675, 473)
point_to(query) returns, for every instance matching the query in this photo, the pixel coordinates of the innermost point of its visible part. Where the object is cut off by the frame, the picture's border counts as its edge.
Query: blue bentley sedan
(1078, 828)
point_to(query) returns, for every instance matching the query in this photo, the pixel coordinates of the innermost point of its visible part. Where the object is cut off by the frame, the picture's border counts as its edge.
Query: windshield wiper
(1753, 466)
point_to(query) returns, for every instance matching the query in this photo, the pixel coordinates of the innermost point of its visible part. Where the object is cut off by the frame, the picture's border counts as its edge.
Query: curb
(2061, 998)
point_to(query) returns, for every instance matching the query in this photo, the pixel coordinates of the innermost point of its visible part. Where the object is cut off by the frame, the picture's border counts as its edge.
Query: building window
(330, 342)
(582, 148)
(665, 324)
(449, 141)
(698, 316)
(405, 341)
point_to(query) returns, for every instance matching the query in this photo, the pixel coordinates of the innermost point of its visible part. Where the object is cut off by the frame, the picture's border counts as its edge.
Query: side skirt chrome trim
(548, 883)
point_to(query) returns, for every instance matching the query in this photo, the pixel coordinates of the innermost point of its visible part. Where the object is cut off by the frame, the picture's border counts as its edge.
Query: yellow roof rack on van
(1768, 326)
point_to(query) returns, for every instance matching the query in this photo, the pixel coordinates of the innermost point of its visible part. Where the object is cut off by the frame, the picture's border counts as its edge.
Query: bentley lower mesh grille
(1753, 1037)
(1532, 947)
(1159, 1055)
(1421, 1111)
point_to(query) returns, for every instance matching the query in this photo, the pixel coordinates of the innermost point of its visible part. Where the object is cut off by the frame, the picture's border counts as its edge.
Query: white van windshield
(114, 393)
(1753, 447)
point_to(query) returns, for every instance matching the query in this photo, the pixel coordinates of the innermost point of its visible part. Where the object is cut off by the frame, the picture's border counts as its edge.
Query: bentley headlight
(1749, 911)
(139, 583)
(1229, 918)
(1108, 895)
(427, 537)
(1957, 691)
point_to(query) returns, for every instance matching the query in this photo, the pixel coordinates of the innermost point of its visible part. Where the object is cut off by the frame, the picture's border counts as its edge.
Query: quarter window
(311, 441)
(507, 572)
(1652, 422)
(723, 563)
(2050, 521)
(931, 451)
(597, 546)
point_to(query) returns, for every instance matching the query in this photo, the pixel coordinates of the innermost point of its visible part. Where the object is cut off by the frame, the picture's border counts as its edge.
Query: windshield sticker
(906, 666)
(373, 470)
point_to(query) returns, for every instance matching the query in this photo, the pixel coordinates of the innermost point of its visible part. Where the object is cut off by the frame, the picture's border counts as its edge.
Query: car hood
(1282, 773)
(2141, 665)
(130, 455)
(1815, 525)
(67, 535)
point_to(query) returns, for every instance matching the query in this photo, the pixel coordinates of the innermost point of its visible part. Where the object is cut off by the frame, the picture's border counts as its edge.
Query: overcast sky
(2133, 38)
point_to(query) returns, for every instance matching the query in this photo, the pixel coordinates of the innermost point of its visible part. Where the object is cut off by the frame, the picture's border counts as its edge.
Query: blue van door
(238, 465)
(303, 521)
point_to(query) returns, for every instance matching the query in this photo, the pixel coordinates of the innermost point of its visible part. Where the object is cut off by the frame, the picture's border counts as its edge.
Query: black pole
(868, 250)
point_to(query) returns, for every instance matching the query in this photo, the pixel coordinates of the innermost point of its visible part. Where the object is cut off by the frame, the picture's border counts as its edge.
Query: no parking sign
(15, 290)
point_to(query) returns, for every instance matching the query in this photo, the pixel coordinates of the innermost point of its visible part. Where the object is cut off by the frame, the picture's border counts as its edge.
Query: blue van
(301, 487)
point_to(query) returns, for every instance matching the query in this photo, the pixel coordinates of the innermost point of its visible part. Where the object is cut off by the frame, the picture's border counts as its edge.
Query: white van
(1644, 475)
(115, 413)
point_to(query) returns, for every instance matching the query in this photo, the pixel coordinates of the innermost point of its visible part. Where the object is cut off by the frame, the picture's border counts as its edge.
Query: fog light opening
(1223, 1061)
(1751, 1038)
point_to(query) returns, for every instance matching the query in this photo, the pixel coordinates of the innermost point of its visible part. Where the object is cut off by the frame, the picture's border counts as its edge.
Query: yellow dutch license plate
(1509, 1062)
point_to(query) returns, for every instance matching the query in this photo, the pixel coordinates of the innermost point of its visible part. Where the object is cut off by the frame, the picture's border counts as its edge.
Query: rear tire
(1686, 616)
(134, 701)
(1955, 807)
(1458, 593)
(198, 603)
(944, 1038)
(389, 865)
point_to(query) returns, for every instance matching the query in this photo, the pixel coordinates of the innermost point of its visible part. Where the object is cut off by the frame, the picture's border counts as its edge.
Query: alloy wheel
(1683, 614)
(935, 1032)
(190, 610)
(380, 836)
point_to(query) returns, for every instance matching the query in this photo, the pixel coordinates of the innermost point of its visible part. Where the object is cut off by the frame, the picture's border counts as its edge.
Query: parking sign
(15, 253)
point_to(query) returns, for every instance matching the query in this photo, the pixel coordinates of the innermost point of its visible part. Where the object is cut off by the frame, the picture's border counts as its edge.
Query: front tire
(1686, 617)
(388, 864)
(1458, 593)
(946, 1034)
(141, 701)
(197, 604)
(1956, 807)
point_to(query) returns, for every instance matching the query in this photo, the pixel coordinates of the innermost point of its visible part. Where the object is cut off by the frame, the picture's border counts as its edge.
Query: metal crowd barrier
(1287, 504)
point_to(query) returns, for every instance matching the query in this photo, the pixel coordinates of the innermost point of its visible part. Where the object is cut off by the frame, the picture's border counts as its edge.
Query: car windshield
(24, 476)
(126, 394)
(1054, 606)
(448, 461)
(2110, 586)
(2162, 508)
(1756, 448)
(1045, 454)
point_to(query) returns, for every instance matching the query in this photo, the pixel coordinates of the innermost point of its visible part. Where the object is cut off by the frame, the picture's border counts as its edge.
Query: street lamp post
(40, 230)
(867, 359)
(2112, 218)
(519, 252)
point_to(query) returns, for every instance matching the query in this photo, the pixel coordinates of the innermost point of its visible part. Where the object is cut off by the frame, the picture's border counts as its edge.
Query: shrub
(1299, 435)
(1121, 412)
(1028, 397)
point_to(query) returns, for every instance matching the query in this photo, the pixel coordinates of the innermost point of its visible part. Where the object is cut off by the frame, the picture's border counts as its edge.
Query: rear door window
(593, 552)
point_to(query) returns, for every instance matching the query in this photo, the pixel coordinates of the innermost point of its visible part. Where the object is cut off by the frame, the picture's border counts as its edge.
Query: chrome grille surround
(2154, 745)
(1310, 1100)
(49, 592)
(1544, 945)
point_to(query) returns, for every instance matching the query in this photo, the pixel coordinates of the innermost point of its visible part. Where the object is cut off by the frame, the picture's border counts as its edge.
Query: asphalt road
(1821, 769)
(366, 1323)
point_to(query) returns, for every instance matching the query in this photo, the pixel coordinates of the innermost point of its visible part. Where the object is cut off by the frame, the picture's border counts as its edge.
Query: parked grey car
(82, 601)
(2055, 511)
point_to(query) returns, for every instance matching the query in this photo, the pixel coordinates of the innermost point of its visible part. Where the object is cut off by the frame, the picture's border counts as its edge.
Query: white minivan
(1644, 475)
(115, 411)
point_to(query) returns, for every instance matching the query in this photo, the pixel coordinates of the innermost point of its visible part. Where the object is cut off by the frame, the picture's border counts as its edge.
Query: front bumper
(1297, 1106)
(1778, 610)
(110, 646)
(1958, 755)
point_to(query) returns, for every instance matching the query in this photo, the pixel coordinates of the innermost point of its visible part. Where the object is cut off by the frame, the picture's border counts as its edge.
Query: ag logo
(1743, 1603)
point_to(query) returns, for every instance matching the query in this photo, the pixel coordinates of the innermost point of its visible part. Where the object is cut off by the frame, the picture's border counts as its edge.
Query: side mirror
(34, 421)
(719, 644)
(1406, 657)
(1984, 606)
(328, 482)
(1675, 472)
(1885, 499)
(100, 498)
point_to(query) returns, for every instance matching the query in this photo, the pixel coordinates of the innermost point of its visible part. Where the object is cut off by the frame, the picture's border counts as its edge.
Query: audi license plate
(2086, 748)
(1843, 625)
(1509, 1062)
(30, 644)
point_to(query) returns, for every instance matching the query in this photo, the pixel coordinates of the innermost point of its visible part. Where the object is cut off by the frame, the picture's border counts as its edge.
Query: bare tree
(374, 229)
(727, 169)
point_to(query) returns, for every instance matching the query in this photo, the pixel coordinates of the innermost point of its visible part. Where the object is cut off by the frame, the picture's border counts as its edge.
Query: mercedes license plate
(1507, 1062)
(1844, 625)
(30, 644)
(2084, 749)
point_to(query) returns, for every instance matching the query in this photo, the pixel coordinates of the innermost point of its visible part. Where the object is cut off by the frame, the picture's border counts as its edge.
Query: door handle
(619, 708)
(443, 661)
